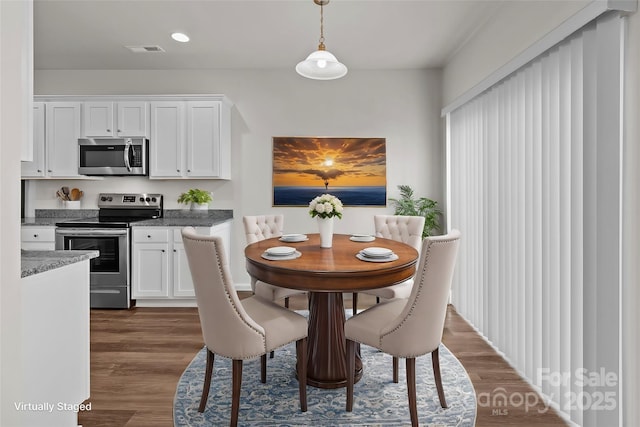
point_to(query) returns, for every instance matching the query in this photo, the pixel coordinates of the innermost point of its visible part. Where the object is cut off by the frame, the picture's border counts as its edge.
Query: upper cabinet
(35, 167)
(55, 143)
(189, 135)
(115, 119)
(61, 141)
(190, 139)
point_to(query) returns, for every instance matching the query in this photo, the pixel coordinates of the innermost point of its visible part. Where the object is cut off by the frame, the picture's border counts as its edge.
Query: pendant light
(321, 64)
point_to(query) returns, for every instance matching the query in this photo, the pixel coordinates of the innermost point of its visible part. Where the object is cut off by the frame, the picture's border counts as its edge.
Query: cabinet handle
(119, 131)
(175, 250)
(162, 250)
(178, 170)
(39, 170)
(148, 236)
(49, 170)
(35, 235)
(189, 170)
(109, 130)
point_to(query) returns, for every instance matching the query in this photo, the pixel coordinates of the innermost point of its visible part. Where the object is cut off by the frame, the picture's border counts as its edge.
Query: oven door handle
(91, 232)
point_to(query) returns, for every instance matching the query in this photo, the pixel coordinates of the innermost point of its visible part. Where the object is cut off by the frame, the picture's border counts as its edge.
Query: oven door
(110, 271)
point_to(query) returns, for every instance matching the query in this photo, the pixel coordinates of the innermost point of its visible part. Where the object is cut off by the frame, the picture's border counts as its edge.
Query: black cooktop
(119, 210)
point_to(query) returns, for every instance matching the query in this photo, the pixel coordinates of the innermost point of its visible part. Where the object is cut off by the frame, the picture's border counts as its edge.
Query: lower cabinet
(38, 238)
(160, 270)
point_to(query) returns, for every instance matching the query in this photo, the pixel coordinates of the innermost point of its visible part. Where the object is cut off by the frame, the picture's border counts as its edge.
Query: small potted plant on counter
(199, 199)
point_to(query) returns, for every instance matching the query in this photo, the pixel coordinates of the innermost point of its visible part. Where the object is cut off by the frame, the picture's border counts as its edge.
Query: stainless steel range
(110, 234)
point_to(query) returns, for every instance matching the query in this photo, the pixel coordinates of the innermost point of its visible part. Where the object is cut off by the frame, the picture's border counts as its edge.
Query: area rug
(377, 400)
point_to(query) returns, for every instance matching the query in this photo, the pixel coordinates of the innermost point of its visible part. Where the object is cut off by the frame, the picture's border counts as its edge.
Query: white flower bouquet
(326, 206)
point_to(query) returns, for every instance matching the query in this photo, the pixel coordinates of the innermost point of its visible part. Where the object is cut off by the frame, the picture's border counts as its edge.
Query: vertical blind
(534, 188)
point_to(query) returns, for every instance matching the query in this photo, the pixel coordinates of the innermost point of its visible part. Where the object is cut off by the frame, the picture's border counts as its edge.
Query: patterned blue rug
(377, 400)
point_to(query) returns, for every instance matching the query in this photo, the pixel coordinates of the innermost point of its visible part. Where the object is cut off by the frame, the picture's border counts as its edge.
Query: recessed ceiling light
(180, 37)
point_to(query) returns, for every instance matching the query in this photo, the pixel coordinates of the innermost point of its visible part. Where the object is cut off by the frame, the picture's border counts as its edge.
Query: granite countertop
(172, 217)
(184, 218)
(34, 262)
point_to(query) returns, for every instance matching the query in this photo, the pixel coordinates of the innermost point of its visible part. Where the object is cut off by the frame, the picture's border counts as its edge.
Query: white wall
(401, 106)
(516, 26)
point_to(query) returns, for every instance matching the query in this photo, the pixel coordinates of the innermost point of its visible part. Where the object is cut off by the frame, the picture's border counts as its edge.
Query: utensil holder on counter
(71, 204)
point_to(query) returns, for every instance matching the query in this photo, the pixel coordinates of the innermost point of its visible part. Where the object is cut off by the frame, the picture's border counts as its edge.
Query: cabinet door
(167, 139)
(62, 132)
(132, 119)
(97, 119)
(203, 139)
(150, 270)
(35, 167)
(182, 281)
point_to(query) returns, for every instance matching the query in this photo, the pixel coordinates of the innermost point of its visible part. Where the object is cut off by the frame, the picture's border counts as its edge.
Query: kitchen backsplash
(41, 194)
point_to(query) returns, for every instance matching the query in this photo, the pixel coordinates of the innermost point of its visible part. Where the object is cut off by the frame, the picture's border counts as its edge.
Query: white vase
(325, 228)
(199, 206)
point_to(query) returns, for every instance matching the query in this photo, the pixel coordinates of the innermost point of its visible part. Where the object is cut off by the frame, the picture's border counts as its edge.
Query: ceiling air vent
(142, 49)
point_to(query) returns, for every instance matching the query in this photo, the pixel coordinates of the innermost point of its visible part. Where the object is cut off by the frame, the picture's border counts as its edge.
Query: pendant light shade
(321, 64)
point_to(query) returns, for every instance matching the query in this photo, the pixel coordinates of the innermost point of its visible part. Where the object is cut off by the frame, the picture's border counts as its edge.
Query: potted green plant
(408, 205)
(199, 199)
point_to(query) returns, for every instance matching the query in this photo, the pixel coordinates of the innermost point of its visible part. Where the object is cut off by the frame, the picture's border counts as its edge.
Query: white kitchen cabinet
(38, 238)
(61, 139)
(150, 263)
(101, 119)
(35, 168)
(197, 133)
(55, 137)
(161, 274)
(168, 138)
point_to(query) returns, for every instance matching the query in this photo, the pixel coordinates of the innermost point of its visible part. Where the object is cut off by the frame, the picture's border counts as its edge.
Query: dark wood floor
(138, 355)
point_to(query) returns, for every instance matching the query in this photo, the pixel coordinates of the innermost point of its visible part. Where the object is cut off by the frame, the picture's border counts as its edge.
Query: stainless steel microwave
(109, 156)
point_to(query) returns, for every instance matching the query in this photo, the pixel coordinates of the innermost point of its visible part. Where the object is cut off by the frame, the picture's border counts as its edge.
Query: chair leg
(263, 368)
(435, 362)
(354, 303)
(411, 390)
(286, 302)
(236, 373)
(272, 354)
(395, 369)
(377, 300)
(301, 357)
(351, 368)
(207, 381)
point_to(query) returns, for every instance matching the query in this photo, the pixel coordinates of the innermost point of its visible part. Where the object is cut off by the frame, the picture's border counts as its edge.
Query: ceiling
(244, 34)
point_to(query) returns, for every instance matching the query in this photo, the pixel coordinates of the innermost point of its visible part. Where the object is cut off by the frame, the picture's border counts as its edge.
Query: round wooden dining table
(326, 273)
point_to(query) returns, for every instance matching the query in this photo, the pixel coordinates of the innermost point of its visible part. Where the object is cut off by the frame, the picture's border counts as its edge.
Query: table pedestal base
(327, 363)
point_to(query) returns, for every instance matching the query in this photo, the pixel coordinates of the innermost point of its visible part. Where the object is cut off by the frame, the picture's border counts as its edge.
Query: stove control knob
(148, 199)
(153, 199)
(142, 199)
(103, 199)
(110, 199)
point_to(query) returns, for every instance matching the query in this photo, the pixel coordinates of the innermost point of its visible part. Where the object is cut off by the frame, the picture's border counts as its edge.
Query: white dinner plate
(389, 258)
(362, 238)
(293, 238)
(294, 255)
(280, 251)
(375, 252)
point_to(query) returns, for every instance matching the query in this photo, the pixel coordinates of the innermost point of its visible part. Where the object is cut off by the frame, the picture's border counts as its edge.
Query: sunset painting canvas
(352, 169)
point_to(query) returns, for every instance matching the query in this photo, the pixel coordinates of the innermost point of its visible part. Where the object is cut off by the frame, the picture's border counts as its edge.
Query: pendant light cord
(321, 44)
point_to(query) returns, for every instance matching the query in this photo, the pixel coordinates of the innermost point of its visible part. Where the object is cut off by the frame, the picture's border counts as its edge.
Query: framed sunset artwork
(352, 169)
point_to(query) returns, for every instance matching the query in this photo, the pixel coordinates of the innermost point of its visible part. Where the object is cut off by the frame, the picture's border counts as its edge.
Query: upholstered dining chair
(236, 329)
(409, 327)
(401, 228)
(261, 227)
